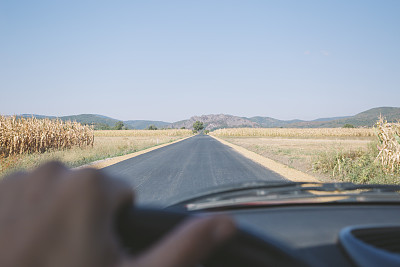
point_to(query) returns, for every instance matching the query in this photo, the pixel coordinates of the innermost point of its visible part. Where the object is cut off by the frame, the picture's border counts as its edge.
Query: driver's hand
(57, 217)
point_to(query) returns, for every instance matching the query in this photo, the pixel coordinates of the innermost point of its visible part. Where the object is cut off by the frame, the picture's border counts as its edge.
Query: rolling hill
(102, 122)
(364, 119)
(143, 124)
(214, 121)
(268, 122)
(331, 119)
(91, 119)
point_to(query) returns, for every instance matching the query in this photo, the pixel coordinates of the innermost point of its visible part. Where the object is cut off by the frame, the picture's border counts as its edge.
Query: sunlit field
(359, 155)
(299, 153)
(295, 132)
(144, 133)
(106, 144)
(27, 135)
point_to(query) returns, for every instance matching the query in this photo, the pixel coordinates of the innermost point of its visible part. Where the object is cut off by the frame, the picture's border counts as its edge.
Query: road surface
(178, 170)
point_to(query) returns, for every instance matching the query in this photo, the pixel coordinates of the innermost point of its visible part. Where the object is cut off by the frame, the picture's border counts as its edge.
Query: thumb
(189, 243)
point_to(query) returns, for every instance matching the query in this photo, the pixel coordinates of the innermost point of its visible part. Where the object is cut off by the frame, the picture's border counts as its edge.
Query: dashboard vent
(377, 245)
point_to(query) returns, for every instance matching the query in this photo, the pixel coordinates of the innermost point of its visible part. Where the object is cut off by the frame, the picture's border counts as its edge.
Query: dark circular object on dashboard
(372, 245)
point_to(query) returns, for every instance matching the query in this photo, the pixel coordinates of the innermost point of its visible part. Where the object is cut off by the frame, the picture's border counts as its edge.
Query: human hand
(59, 217)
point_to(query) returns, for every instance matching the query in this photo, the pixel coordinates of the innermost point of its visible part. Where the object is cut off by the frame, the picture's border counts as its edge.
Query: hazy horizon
(139, 119)
(170, 60)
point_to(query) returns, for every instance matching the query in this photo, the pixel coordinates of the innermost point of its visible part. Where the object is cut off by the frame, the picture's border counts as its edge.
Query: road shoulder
(283, 170)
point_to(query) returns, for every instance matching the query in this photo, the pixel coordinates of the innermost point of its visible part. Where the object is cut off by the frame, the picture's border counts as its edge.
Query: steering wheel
(140, 228)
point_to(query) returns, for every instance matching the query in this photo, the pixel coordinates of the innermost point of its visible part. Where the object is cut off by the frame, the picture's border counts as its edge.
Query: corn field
(143, 133)
(28, 135)
(389, 147)
(294, 132)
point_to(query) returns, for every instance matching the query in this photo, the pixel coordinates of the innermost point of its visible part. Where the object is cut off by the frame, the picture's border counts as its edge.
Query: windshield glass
(183, 99)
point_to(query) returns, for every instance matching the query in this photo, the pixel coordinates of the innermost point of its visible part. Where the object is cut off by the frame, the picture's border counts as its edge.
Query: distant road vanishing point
(192, 165)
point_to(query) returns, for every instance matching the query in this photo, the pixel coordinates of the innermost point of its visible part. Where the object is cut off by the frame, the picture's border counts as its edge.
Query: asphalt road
(192, 165)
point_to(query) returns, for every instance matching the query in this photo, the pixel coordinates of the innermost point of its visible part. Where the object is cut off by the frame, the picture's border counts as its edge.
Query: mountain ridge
(101, 121)
(215, 121)
(366, 118)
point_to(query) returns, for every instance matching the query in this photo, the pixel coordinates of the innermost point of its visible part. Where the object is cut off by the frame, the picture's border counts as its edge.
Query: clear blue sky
(169, 60)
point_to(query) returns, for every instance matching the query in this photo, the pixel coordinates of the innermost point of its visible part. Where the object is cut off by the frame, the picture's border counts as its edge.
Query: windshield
(183, 99)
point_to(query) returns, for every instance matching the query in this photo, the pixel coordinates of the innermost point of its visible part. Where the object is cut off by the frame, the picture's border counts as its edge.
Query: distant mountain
(392, 114)
(142, 124)
(90, 119)
(331, 119)
(364, 119)
(215, 121)
(268, 122)
(102, 122)
(36, 116)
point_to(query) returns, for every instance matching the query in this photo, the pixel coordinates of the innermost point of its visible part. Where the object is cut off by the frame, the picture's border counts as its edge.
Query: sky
(170, 60)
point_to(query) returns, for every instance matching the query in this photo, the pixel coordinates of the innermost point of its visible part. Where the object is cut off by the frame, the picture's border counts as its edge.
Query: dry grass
(351, 155)
(300, 153)
(144, 133)
(273, 165)
(389, 147)
(103, 147)
(29, 135)
(294, 132)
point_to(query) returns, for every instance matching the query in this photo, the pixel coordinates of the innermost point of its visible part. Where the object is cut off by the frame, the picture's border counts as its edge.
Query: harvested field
(294, 132)
(299, 153)
(338, 154)
(115, 144)
(144, 133)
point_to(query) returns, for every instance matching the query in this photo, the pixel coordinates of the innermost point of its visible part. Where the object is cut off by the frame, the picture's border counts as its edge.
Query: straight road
(178, 170)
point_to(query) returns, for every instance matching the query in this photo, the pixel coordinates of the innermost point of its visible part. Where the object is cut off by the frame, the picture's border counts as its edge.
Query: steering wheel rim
(139, 228)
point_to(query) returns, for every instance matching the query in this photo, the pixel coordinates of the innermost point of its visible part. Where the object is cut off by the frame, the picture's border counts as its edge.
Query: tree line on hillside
(119, 125)
(197, 126)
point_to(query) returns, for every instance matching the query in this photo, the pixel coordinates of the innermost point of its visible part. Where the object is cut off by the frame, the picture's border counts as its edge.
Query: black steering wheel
(140, 228)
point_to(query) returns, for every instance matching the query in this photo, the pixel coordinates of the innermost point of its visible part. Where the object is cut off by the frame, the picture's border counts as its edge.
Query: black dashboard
(329, 234)
(312, 231)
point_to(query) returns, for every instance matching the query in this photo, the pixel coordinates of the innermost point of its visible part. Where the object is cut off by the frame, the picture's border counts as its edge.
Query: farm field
(359, 155)
(295, 132)
(143, 133)
(300, 153)
(107, 144)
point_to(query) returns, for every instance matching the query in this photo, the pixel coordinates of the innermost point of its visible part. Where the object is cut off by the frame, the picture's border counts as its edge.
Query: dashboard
(329, 234)
(312, 231)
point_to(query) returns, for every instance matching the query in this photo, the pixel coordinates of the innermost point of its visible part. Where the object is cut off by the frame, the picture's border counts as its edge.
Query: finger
(95, 183)
(48, 172)
(93, 199)
(10, 191)
(120, 193)
(32, 188)
(15, 175)
(100, 196)
(189, 243)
